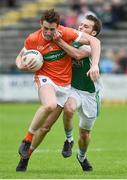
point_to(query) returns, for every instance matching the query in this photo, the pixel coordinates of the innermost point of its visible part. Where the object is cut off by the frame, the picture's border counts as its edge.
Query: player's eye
(46, 28)
(85, 26)
(52, 29)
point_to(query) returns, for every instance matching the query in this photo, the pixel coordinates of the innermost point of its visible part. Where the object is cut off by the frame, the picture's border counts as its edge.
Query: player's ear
(94, 33)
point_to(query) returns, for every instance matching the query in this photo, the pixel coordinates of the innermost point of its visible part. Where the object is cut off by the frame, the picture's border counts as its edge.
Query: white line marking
(75, 150)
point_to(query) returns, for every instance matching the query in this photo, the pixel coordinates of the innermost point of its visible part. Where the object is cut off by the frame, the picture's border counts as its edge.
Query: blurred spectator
(108, 64)
(106, 16)
(2, 3)
(110, 12)
(74, 5)
(97, 7)
(71, 19)
(122, 60)
(11, 3)
(84, 11)
(118, 11)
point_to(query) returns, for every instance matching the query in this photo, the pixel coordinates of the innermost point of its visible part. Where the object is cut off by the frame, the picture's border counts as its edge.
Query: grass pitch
(107, 150)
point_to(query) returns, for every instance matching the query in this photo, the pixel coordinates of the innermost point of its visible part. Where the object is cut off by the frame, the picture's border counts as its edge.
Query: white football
(32, 53)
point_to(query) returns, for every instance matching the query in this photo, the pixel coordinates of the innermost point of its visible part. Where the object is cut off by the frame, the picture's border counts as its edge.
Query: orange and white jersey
(57, 64)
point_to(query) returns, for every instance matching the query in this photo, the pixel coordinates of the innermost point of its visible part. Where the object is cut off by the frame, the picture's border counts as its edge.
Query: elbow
(17, 62)
(77, 56)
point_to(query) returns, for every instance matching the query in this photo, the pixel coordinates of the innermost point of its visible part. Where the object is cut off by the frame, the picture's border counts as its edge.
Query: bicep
(84, 38)
(88, 39)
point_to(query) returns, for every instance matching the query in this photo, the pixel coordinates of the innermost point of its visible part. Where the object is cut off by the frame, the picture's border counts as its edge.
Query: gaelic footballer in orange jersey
(57, 64)
(54, 78)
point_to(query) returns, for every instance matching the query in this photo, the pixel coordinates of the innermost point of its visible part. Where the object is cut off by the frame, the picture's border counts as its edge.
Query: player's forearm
(73, 52)
(95, 47)
(95, 52)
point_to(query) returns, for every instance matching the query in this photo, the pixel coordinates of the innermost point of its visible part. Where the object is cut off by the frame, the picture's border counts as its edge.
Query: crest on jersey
(44, 80)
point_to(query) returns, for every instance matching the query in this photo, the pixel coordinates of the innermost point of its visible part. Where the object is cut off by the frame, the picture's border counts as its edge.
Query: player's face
(87, 27)
(48, 30)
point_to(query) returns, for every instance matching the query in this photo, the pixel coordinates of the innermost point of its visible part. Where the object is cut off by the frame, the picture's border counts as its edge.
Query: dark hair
(97, 23)
(51, 16)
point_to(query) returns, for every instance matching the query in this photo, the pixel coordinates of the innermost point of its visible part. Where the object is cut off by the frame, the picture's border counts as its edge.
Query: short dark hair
(97, 23)
(51, 16)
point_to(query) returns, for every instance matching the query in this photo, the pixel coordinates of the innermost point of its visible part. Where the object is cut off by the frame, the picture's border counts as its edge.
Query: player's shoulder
(64, 29)
(33, 36)
(67, 33)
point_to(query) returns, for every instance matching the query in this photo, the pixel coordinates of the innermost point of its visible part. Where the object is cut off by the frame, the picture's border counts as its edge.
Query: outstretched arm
(95, 46)
(95, 53)
(77, 54)
(84, 38)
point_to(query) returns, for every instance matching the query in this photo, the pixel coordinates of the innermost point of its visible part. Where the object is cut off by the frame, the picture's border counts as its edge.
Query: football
(29, 54)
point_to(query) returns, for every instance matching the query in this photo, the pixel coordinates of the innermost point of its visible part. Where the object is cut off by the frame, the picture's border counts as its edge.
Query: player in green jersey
(85, 85)
(84, 94)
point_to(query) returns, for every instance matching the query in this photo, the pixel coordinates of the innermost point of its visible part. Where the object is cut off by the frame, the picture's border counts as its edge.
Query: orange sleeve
(30, 42)
(70, 34)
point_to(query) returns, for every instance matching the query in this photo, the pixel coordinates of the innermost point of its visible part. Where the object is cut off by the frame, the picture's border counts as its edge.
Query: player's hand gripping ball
(34, 55)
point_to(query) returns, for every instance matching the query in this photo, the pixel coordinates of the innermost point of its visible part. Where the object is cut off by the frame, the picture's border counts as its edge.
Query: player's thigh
(74, 100)
(70, 105)
(90, 104)
(85, 122)
(62, 94)
(88, 111)
(47, 95)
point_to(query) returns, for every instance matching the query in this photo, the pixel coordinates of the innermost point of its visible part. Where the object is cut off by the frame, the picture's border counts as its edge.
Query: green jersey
(80, 80)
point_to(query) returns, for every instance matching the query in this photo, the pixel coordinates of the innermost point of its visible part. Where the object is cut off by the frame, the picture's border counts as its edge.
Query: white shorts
(88, 107)
(62, 93)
